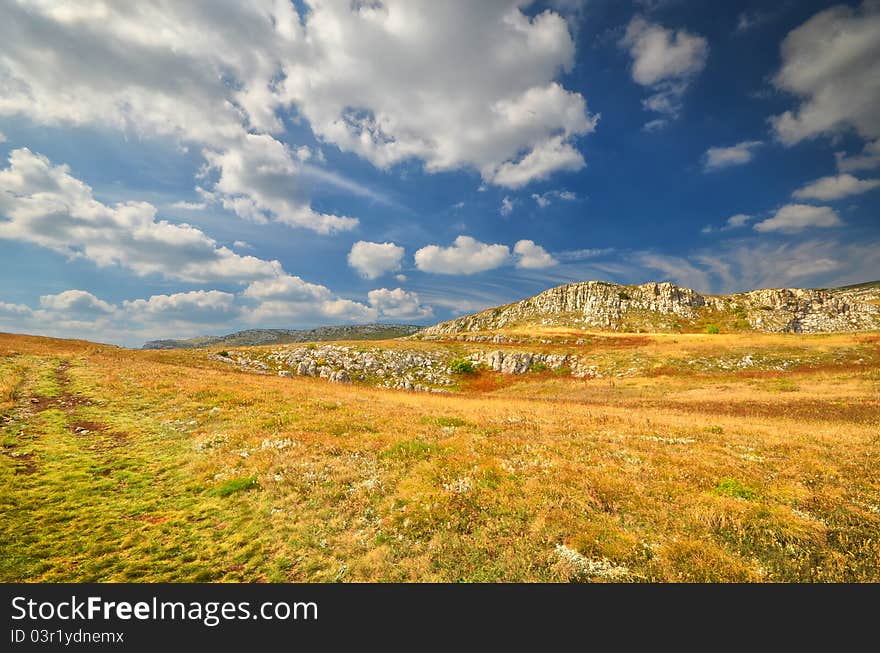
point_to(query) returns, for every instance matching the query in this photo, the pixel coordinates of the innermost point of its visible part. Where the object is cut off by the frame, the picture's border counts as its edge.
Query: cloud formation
(717, 158)
(44, 204)
(830, 63)
(465, 256)
(531, 256)
(793, 218)
(372, 260)
(398, 304)
(664, 61)
(544, 200)
(835, 187)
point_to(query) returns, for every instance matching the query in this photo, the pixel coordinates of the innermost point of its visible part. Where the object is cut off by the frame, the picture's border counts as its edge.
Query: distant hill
(658, 307)
(281, 336)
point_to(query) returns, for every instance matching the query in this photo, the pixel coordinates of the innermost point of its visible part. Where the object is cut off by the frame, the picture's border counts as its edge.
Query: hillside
(686, 458)
(251, 337)
(864, 292)
(665, 307)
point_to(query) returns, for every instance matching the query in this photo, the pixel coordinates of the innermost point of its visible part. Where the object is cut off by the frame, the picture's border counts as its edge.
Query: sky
(175, 169)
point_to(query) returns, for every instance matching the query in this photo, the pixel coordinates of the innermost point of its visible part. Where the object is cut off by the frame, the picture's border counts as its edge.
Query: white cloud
(867, 160)
(532, 256)
(506, 206)
(548, 157)
(189, 206)
(373, 260)
(400, 277)
(288, 288)
(281, 312)
(830, 63)
(3, 138)
(835, 188)
(14, 310)
(294, 300)
(665, 61)
(749, 20)
(544, 200)
(353, 82)
(733, 222)
(793, 218)
(209, 306)
(44, 204)
(398, 303)
(76, 302)
(465, 256)
(725, 157)
(260, 180)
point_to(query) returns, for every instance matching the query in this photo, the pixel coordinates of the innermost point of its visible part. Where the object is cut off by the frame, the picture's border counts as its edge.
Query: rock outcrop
(252, 337)
(667, 307)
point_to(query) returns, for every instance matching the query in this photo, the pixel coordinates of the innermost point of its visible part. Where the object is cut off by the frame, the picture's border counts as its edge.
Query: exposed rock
(251, 337)
(667, 307)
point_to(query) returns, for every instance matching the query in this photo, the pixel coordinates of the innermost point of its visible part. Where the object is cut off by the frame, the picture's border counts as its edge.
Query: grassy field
(121, 465)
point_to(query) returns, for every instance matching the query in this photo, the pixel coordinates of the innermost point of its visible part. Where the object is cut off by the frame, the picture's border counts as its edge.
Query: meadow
(128, 465)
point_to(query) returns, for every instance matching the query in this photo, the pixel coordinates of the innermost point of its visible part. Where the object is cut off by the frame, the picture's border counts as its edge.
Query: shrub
(712, 328)
(540, 366)
(224, 353)
(235, 485)
(732, 488)
(623, 296)
(462, 366)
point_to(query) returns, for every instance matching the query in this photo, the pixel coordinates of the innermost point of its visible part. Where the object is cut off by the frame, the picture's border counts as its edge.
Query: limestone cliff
(667, 307)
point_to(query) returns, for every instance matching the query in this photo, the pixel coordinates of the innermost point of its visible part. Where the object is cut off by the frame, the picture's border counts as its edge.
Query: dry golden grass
(190, 470)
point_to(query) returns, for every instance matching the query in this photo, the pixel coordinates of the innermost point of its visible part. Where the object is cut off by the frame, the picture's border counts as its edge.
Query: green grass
(235, 485)
(462, 366)
(733, 488)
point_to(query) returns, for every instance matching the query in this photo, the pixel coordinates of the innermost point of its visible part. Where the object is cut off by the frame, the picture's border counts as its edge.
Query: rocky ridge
(667, 307)
(252, 337)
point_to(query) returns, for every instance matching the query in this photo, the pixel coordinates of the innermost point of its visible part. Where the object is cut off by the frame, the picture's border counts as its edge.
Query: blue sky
(174, 169)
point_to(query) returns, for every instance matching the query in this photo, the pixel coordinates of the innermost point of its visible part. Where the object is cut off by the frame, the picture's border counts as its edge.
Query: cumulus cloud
(793, 218)
(77, 302)
(835, 187)
(44, 204)
(8, 310)
(665, 61)
(398, 303)
(549, 156)
(209, 306)
(372, 260)
(830, 63)
(354, 86)
(725, 157)
(531, 256)
(868, 159)
(465, 256)
(544, 200)
(294, 300)
(260, 180)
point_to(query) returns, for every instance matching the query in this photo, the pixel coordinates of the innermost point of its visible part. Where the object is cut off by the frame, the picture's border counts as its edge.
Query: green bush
(732, 488)
(224, 353)
(623, 296)
(235, 485)
(540, 366)
(462, 366)
(712, 328)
